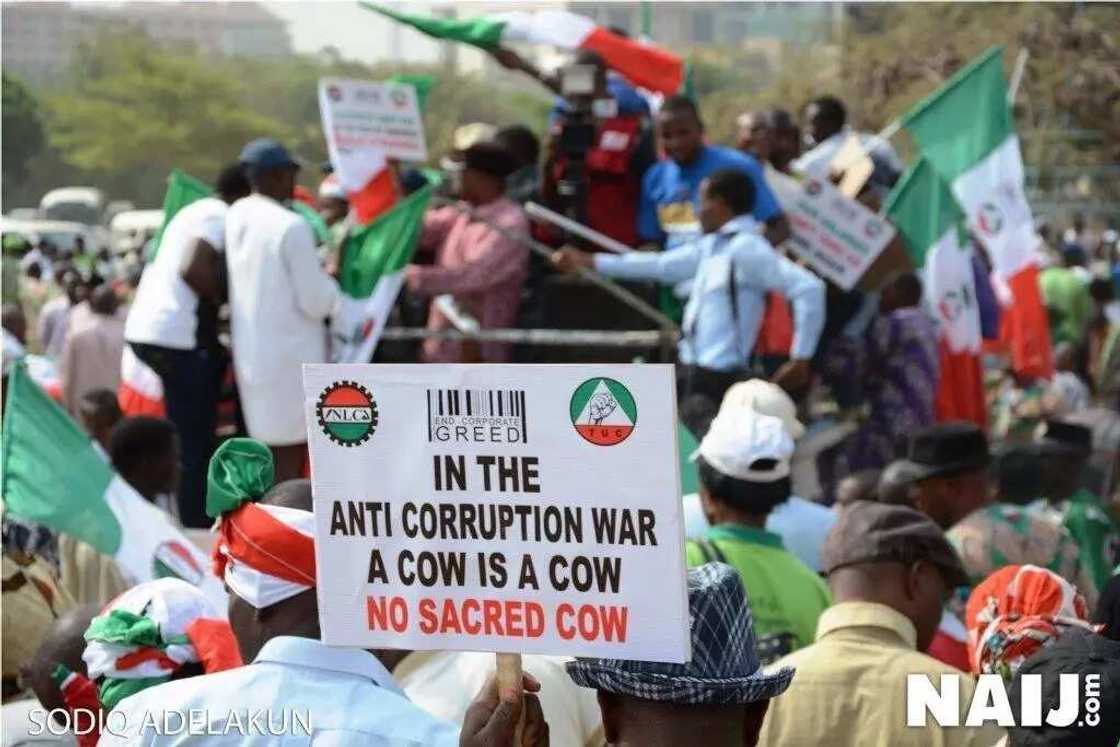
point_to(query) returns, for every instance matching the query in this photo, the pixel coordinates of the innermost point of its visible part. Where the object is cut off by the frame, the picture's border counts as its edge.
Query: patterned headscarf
(146, 634)
(265, 554)
(1017, 611)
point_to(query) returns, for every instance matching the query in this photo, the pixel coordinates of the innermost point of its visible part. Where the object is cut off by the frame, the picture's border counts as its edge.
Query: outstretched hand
(569, 259)
(492, 719)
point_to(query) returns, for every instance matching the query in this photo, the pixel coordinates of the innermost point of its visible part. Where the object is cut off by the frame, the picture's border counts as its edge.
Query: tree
(135, 111)
(24, 136)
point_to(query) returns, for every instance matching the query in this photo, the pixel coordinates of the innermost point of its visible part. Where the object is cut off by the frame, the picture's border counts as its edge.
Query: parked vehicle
(60, 233)
(75, 204)
(131, 229)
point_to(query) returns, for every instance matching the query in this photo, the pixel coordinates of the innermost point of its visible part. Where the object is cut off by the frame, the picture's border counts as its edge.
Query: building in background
(38, 37)
(681, 25)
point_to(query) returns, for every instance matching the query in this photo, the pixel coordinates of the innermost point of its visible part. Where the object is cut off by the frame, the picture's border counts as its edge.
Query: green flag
(51, 474)
(182, 190)
(372, 273)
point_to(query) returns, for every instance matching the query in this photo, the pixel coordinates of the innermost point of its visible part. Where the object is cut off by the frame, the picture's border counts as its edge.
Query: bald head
(63, 644)
(290, 494)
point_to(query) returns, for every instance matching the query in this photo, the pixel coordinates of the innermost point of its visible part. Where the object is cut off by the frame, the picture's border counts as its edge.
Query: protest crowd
(895, 468)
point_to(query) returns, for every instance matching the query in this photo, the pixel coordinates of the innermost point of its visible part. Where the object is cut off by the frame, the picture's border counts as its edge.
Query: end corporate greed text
(492, 521)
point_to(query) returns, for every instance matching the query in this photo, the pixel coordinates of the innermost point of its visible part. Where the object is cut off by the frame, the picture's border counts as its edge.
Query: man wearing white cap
(744, 466)
(801, 524)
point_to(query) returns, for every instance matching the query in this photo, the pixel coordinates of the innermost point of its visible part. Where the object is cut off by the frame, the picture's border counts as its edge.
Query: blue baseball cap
(265, 154)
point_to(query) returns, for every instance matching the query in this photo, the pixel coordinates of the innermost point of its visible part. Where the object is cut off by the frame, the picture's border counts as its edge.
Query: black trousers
(699, 393)
(191, 386)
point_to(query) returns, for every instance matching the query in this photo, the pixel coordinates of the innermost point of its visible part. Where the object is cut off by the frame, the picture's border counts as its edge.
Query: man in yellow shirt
(889, 569)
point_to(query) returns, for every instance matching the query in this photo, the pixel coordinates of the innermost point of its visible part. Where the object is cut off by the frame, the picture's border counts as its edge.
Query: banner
(365, 120)
(836, 235)
(507, 508)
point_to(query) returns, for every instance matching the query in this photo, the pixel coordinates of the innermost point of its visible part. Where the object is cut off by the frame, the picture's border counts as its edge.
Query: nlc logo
(991, 704)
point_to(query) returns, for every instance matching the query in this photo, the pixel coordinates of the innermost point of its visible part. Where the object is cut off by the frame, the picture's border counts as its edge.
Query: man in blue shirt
(670, 189)
(732, 268)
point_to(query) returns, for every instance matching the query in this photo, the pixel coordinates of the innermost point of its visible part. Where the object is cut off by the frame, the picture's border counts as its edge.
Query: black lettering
(558, 562)
(447, 522)
(406, 576)
(646, 521)
(498, 576)
(467, 528)
(486, 462)
(604, 521)
(409, 527)
(626, 533)
(456, 468)
(436, 479)
(376, 568)
(530, 475)
(505, 518)
(508, 473)
(528, 574)
(338, 523)
(357, 518)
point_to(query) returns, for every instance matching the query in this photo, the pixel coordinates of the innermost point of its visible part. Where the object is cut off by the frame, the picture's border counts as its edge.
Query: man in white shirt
(279, 299)
(312, 693)
(172, 327)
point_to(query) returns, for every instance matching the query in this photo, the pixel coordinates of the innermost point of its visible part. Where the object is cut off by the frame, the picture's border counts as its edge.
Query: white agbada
(279, 297)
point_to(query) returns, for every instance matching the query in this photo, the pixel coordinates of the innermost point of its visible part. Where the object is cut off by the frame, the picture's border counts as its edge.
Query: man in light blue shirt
(296, 690)
(732, 268)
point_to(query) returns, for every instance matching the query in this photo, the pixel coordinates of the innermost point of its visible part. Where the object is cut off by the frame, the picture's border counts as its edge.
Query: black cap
(946, 449)
(870, 532)
(1079, 652)
(1062, 438)
(490, 158)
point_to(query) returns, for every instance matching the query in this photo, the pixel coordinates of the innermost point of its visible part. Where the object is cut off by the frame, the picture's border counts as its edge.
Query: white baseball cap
(738, 438)
(331, 189)
(767, 399)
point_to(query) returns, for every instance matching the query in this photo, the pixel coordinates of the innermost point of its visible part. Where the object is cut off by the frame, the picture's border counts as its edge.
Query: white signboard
(507, 508)
(366, 122)
(837, 236)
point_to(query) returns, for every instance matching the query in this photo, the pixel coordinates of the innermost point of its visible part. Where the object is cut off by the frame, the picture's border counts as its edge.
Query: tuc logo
(603, 411)
(991, 704)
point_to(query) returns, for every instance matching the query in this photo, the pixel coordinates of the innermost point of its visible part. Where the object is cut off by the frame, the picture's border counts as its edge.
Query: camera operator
(596, 155)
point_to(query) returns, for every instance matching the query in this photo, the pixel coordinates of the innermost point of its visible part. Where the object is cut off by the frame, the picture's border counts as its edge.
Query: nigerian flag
(930, 223)
(372, 274)
(182, 190)
(645, 65)
(966, 133)
(50, 474)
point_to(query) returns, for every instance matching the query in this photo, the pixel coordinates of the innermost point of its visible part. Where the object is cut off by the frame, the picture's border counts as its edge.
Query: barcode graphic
(489, 403)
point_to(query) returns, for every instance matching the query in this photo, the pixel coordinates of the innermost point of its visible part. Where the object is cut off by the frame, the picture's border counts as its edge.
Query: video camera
(577, 136)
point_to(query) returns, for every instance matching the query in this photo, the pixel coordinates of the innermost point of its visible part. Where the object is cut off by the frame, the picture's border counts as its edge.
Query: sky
(358, 33)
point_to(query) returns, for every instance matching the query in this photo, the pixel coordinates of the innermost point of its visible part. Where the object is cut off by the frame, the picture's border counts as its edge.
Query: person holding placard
(731, 267)
(265, 552)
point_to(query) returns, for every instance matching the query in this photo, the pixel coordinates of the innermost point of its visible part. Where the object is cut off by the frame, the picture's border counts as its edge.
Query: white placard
(508, 508)
(837, 236)
(366, 122)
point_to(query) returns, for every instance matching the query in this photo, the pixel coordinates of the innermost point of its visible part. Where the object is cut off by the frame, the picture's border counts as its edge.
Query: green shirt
(1065, 292)
(1096, 534)
(785, 596)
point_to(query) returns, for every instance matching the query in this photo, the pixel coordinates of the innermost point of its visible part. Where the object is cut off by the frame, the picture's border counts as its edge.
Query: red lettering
(588, 623)
(428, 620)
(471, 606)
(450, 622)
(566, 632)
(534, 620)
(492, 614)
(383, 613)
(513, 619)
(614, 623)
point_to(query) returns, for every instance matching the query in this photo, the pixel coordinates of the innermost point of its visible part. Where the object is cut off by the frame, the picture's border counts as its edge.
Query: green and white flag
(372, 274)
(52, 475)
(965, 131)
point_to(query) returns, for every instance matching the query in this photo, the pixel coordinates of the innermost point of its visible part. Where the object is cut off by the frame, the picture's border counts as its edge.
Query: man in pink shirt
(482, 268)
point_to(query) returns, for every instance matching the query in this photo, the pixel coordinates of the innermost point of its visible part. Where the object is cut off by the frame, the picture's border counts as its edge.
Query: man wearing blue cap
(279, 297)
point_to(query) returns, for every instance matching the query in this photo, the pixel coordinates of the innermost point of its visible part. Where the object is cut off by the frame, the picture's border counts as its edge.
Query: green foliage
(24, 136)
(130, 112)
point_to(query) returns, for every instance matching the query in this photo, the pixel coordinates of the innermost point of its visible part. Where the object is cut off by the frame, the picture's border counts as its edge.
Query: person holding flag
(172, 327)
